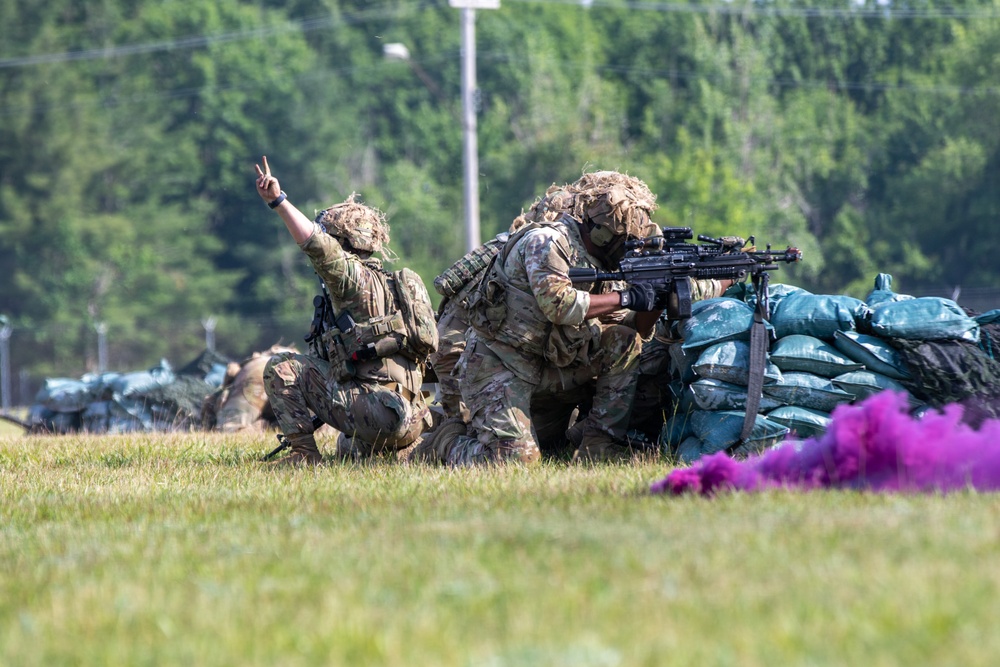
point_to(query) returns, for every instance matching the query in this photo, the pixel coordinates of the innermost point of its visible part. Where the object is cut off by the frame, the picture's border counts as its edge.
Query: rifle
(670, 261)
(324, 319)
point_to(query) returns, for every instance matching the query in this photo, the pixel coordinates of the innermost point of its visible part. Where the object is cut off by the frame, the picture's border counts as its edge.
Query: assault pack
(468, 267)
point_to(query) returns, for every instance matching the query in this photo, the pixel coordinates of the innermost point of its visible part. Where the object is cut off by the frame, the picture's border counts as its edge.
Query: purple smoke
(874, 445)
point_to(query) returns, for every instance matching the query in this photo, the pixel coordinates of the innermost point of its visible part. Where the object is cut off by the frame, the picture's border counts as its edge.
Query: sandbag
(730, 362)
(776, 293)
(64, 395)
(712, 394)
(883, 292)
(989, 317)
(818, 315)
(689, 451)
(924, 318)
(874, 353)
(809, 391)
(715, 321)
(676, 429)
(808, 354)
(803, 422)
(720, 429)
(127, 385)
(862, 384)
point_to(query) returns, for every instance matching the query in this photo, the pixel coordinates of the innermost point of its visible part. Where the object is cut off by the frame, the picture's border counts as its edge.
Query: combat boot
(304, 451)
(433, 446)
(599, 447)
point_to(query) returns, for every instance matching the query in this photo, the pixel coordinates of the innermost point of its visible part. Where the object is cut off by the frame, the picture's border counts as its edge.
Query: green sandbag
(883, 292)
(809, 391)
(874, 353)
(712, 394)
(720, 429)
(730, 362)
(818, 315)
(862, 384)
(688, 451)
(808, 354)
(676, 429)
(716, 320)
(803, 422)
(924, 318)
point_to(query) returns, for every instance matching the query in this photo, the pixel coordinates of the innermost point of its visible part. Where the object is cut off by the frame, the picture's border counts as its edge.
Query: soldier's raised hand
(267, 185)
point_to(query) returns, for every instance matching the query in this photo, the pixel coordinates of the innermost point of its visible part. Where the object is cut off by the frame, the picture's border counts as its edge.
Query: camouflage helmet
(556, 201)
(362, 226)
(618, 202)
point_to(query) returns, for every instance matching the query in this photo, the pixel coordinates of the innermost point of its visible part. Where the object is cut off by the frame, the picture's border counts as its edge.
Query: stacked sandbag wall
(824, 351)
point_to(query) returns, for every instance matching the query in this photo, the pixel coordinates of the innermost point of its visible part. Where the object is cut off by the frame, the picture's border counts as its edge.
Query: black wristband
(280, 198)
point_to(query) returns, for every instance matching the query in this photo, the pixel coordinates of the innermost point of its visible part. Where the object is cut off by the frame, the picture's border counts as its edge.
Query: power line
(381, 13)
(200, 41)
(882, 12)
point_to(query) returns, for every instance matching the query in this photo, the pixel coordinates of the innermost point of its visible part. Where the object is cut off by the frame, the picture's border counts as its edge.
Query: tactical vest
(371, 349)
(502, 312)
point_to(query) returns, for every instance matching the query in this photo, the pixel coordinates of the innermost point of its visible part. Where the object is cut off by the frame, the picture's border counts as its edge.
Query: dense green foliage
(861, 132)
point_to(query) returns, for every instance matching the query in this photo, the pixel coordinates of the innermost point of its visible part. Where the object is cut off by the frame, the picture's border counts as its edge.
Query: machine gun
(670, 261)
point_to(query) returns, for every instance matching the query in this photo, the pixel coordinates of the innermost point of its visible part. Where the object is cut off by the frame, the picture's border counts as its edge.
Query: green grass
(183, 550)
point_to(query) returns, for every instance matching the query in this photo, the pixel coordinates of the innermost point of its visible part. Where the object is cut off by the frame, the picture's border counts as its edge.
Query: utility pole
(470, 152)
(102, 346)
(5, 332)
(209, 324)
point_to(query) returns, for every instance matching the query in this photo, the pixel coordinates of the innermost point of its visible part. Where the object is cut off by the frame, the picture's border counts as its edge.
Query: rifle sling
(758, 355)
(755, 384)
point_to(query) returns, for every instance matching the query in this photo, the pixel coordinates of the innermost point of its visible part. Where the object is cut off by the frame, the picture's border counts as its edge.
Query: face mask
(601, 236)
(612, 246)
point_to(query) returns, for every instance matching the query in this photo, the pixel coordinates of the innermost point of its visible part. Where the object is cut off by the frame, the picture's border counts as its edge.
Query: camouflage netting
(603, 196)
(956, 371)
(364, 227)
(618, 201)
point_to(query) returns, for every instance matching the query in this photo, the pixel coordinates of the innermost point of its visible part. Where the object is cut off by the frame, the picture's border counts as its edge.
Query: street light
(397, 51)
(470, 144)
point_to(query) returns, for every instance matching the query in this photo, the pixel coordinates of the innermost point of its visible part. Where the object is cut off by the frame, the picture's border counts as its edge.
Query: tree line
(864, 133)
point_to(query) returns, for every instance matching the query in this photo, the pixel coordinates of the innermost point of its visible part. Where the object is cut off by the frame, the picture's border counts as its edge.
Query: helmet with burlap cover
(363, 227)
(617, 202)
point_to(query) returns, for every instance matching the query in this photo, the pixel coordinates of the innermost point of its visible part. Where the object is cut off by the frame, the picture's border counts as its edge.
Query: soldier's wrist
(274, 203)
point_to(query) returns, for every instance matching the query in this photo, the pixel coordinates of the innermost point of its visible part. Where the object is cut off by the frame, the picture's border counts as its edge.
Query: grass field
(183, 550)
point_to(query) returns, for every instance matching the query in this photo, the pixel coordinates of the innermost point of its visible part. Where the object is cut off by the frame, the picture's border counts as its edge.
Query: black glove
(640, 297)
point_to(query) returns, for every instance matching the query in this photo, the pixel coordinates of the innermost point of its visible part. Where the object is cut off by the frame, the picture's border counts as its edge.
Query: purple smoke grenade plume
(874, 445)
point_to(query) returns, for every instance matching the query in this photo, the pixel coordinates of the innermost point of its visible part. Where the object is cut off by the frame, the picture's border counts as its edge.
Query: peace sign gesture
(267, 185)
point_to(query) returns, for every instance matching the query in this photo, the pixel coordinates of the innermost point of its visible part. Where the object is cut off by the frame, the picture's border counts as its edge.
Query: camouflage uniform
(380, 408)
(456, 285)
(242, 404)
(452, 325)
(545, 347)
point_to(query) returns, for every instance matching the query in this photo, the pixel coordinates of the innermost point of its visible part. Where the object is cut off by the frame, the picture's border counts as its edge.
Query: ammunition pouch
(378, 338)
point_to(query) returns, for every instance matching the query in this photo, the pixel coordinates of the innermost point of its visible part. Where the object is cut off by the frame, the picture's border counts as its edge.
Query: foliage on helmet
(362, 226)
(614, 200)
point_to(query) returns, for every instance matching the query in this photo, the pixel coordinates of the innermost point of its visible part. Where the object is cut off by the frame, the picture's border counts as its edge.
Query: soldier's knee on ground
(515, 451)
